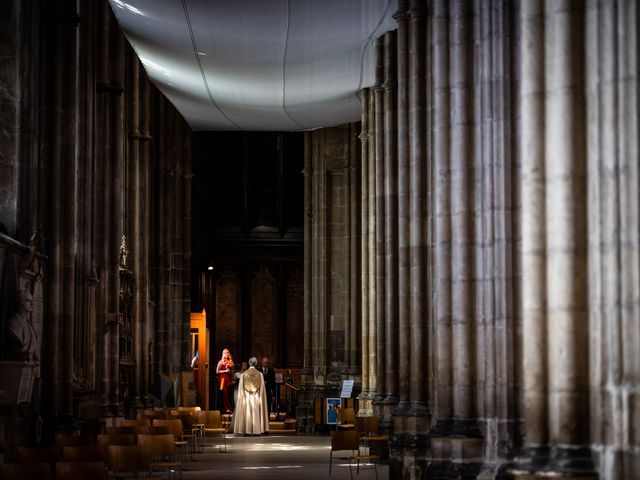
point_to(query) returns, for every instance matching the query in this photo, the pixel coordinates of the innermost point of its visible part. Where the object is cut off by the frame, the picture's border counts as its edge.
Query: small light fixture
(210, 267)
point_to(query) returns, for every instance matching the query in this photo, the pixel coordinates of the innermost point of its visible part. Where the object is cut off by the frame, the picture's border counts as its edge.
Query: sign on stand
(347, 388)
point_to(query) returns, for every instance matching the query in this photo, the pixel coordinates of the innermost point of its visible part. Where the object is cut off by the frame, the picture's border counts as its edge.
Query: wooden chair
(345, 440)
(128, 430)
(81, 471)
(71, 440)
(25, 471)
(370, 435)
(212, 424)
(48, 455)
(158, 452)
(190, 433)
(82, 454)
(125, 459)
(129, 422)
(105, 440)
(194, 410)
(347, 418)
(154, 430)
(142, 420)
(175, 428)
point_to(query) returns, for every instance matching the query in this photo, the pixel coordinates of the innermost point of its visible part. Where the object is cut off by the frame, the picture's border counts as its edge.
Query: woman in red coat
(225, 372)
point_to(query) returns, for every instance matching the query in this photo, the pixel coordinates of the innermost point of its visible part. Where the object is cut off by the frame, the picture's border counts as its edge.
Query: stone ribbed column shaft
(134, 211)
(494, 188)
(614, 244)
(53, 368)
(70, 203)
(484, 220)
(145, 212)
(159, 219)
(354, 247)
(462, 262)
(391, 216)
(117, 212)
(185, 313)
(321, 319)
(380, 224)
(566, 234)
(417, 151)
(175, 240)
(404, 332)
(308, 250)
(104, 262)
(442, 251)
(371, 242)
(531, 153)
(364, 238)
(166, 299)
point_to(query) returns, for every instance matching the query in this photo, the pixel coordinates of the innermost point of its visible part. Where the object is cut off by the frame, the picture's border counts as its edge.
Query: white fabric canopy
(258, 64)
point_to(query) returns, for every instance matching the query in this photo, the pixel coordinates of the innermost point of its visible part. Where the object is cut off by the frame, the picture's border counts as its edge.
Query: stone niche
(21, 322)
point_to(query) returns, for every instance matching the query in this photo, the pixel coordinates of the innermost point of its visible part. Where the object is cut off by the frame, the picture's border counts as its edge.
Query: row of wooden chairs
(179, 427)
(146, 453)
(196, 425)
(64, 471)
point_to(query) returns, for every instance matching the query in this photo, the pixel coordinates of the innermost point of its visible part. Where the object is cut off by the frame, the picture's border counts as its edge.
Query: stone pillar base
(455, 457)
(365, 405)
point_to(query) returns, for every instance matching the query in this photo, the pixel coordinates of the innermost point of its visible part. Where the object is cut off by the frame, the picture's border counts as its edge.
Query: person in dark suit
(269, 382)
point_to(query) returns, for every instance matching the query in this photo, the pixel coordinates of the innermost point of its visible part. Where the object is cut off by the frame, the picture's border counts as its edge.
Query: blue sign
(333, 404)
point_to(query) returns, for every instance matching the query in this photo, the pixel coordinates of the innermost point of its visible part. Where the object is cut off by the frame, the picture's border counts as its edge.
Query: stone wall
(332, 342)
(100, 160)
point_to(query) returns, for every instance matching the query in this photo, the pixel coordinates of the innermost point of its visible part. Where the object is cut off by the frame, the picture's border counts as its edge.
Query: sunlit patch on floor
(274, 447)
(271, 468)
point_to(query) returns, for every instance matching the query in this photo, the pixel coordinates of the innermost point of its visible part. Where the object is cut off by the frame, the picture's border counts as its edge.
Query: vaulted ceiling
(258, 64)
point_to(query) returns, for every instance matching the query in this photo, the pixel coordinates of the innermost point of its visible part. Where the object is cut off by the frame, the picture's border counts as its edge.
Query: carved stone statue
(23, 340)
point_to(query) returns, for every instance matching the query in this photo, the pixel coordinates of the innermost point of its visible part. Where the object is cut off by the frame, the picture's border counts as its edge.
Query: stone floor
(274, 457)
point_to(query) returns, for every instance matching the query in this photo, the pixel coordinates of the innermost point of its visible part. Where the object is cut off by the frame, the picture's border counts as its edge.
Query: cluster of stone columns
(438, 125)
(612, 112)
(114, 162)
(579, 153)
(501, 144)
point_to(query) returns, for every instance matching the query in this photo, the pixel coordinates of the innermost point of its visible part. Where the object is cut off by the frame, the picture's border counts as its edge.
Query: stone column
(391, 221)
(462, 261)
(404, 332)
(117, 213)
(145, 212)
(554, 243)
(534, 298)
(566, 235)
(443, 397)
(134, 227)
(184, 248)
(69, 199)
(308, 259)
(320, 316)
(103, 138)
(354, 357)
(417, 194)
(364, 252)
(11, 57)
(371, 247)
(614, 248)
(53, 328)
(161, 353)
(380, 225)
(495, 291)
